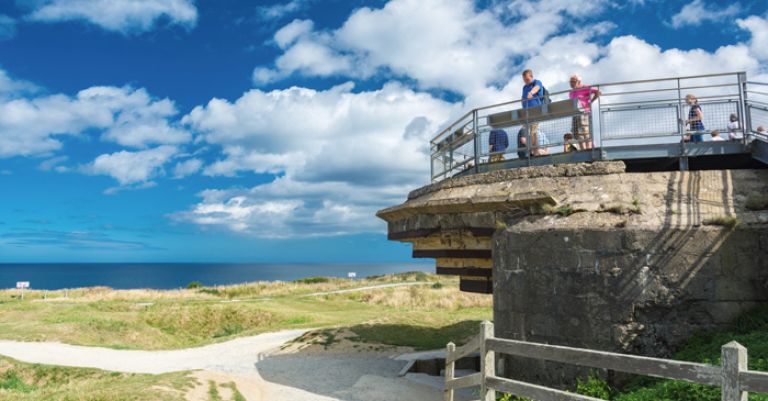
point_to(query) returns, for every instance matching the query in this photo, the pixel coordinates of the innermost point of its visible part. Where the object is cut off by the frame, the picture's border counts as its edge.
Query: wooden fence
(733, 376)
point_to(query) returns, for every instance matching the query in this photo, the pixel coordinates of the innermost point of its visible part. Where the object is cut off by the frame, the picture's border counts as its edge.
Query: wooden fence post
(449, 371)
(487, 362)
(733, 360)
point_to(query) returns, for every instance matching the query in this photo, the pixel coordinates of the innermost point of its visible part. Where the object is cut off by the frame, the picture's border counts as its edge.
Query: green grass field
(422, 316)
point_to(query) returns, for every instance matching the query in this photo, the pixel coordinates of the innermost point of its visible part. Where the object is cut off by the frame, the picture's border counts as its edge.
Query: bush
(194, 285)
(312, 280)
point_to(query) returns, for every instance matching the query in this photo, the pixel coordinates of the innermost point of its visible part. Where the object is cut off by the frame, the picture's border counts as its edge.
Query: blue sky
(245, 131)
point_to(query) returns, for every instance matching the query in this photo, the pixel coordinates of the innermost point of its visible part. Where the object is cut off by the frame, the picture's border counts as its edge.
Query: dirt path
(259, 373)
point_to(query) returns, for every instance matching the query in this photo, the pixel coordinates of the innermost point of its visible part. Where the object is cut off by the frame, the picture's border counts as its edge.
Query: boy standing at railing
(586, 96)
(533, 92)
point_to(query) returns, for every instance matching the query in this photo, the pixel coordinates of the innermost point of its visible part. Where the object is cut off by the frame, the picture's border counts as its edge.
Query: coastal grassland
(31, 382)
(152, 320)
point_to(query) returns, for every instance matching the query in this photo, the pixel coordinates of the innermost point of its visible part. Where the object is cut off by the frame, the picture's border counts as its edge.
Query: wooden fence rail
(733, 377)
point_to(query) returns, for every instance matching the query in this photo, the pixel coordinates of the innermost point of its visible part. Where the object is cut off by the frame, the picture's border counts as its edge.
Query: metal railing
(634, 119)
(733, 377)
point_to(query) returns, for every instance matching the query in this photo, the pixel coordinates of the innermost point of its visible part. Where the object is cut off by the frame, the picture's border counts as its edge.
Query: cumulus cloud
(31, 125)
(698, 12)
(128, 168)
(125, 16)
(339, 155)
(409, 38)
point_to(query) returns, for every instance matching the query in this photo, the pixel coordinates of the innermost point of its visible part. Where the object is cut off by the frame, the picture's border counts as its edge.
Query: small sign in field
(22, 285)
(351, 275)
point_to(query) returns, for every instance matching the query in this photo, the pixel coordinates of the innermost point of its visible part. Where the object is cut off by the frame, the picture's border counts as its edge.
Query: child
(716, 136)
(568, 142)
(733, 128)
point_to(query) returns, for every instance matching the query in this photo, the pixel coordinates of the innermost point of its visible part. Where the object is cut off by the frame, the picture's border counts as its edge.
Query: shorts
(580, 126)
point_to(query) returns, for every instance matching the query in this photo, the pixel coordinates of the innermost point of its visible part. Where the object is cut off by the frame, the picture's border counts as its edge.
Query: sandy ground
(262, 368)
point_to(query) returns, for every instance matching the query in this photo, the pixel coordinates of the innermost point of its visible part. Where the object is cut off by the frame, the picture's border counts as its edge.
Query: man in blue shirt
(533, 92)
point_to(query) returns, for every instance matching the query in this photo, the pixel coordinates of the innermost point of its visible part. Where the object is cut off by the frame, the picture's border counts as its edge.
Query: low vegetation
(723, 221)
(29, 382)
(152, 320)
(751, 331)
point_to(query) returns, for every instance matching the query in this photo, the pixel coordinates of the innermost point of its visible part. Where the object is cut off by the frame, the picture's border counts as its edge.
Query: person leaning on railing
(586, 95)
(695, 120)
(533, 94)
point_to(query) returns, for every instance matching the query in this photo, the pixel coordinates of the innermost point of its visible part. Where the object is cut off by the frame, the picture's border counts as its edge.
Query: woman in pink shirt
(586, 95)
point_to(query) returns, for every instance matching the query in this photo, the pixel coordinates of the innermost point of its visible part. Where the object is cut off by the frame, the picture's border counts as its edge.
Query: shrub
(312, 280)
(194, 285)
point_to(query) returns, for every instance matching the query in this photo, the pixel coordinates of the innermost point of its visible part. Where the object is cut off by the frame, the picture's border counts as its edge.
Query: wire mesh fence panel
(717, 115)
(759, 118)
(639, 121)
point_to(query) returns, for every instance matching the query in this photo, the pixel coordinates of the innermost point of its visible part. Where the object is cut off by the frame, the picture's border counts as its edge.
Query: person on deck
(695, 119)
(533, 96)
(498, 142)
(716, 136)
(586, 95)
(734, 131)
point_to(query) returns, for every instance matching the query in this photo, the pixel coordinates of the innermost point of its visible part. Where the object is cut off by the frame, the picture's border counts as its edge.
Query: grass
(723, 221)
(31, 382)
(154, 320)
(751, 331)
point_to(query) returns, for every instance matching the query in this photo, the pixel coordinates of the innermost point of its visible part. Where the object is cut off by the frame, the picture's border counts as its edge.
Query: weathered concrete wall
(595, 257)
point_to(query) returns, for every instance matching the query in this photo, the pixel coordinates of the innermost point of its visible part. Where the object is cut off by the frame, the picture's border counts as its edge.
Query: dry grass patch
(424, 297)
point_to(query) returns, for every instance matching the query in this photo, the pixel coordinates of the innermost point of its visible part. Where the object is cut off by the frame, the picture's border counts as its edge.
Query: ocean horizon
(56, 276)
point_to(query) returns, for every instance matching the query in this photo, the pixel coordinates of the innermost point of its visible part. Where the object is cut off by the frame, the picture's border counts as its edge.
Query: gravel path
(260, 375)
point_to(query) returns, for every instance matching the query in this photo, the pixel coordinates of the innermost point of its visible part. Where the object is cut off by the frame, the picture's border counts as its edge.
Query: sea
(56, 276)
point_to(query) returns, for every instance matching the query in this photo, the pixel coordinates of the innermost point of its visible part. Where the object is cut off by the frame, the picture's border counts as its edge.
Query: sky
(260, 131)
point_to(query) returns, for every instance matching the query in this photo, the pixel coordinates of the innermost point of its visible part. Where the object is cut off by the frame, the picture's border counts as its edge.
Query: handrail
(602, 85)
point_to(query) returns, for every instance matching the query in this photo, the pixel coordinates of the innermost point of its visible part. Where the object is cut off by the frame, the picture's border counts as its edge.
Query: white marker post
(351, 275)
(22, 285)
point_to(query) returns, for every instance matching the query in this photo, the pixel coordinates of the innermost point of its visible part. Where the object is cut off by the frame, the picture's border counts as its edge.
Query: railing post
(681, 129)
(487, 362)
(596, 124)
(745, 118)
(733, 360)
(449, 371)
(477, 140)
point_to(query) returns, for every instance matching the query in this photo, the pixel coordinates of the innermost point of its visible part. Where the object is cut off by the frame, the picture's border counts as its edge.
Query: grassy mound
(30, 382)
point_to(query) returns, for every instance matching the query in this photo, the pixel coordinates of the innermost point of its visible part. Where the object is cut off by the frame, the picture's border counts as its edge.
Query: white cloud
(340, 156)
(286, 208)
(410, 38)
(698, 12)
(187, 168)
(282, 9)
(31, 125)
(7, 27)
(126, 16)
(132, 167)
(758, 28)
